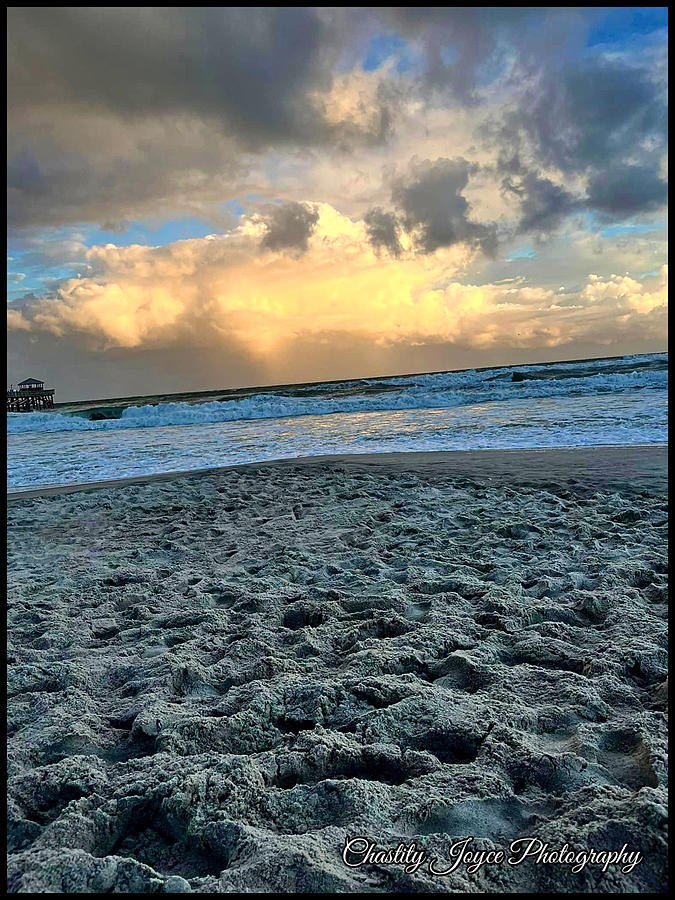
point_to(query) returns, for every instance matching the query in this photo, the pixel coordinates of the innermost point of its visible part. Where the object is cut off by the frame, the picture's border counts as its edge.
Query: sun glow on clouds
(229, 288)
(474, 168)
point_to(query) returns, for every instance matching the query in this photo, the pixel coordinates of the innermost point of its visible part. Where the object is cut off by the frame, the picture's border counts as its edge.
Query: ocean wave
(442, 391)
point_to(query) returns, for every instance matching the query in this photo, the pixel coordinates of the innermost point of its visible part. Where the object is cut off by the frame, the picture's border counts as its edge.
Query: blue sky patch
(381, 47)
(624, 23)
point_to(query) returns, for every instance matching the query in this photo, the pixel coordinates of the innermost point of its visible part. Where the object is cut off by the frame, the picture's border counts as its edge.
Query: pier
(30, 395)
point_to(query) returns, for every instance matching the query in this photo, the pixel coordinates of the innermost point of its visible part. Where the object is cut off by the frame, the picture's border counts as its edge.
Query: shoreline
(638, 465)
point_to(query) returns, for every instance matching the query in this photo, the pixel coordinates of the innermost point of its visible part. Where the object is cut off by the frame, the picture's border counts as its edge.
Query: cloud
(601, 121)
(117, 113)
(620, 190)
(624, 294)
(466, 48)
(543, 205)
(435, 209)
(614, 192)
(248, 68)
(227, 291)
(253, 69)
(586, 112)
(481, 125)
(16, 321)
(289, 227)
(432, 209)
(88, 166)
(382, 229)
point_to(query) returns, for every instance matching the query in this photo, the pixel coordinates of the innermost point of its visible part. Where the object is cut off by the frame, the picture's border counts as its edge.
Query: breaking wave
(434, 391)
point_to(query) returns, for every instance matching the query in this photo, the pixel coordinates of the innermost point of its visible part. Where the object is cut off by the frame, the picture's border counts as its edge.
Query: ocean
(613, 401)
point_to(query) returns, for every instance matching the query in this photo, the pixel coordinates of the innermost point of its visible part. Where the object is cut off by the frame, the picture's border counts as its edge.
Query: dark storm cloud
(603, 116)
(434, 209)
(252, 67)
(247, 67)
(464, 46)
(120, 112)
(383, 230)
(605, 120)
(614, 192)
(587, 113)
(116, 113)
(52, 185)
(622, 190)
(289, 227)
(543, 205)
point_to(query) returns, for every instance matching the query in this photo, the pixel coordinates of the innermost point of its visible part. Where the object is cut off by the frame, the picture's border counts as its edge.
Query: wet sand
(214, 678)
(642, 466)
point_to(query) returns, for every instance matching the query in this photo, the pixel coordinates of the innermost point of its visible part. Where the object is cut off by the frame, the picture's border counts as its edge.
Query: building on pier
(30, 395)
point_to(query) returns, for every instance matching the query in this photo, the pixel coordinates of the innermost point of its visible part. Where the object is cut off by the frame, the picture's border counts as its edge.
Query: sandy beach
(216, 678)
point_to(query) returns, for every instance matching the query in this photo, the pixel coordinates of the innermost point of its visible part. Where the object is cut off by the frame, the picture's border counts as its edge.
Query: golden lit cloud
(226, 288)
(629, 292)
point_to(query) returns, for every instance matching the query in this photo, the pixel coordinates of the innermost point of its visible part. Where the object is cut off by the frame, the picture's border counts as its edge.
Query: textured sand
(595, 466)
(214, 679)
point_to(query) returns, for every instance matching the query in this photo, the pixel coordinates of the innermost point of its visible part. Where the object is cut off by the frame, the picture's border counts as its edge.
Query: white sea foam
(440, 391)
(619, 402)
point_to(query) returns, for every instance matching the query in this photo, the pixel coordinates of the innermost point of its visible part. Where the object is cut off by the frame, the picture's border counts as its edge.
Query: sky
(201, 198)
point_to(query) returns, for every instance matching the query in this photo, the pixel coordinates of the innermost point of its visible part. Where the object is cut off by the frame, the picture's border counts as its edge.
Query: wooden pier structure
(30, 396)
